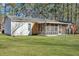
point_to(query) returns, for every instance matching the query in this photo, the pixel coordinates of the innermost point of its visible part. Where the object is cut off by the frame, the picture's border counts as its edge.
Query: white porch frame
(59, 30)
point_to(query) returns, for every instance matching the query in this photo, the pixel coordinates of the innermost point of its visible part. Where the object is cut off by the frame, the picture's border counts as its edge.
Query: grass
(65, 45)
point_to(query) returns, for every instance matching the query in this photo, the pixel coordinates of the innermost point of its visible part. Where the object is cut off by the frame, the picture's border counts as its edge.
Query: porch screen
(52, 29)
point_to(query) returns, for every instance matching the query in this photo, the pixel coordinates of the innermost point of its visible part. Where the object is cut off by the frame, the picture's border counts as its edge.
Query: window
(29, 27)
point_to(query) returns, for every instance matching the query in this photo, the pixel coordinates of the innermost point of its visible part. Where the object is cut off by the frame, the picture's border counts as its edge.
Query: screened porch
(48, 29)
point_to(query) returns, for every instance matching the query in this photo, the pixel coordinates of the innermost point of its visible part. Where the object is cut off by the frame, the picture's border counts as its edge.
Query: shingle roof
(37, 20)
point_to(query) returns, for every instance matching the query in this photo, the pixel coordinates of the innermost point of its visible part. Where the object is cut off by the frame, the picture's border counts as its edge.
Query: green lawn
(39, 45)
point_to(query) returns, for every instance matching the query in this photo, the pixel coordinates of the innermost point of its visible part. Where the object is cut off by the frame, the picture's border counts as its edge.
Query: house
(14, 25)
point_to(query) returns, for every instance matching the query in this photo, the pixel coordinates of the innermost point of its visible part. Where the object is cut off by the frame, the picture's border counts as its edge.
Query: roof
(35, 20)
